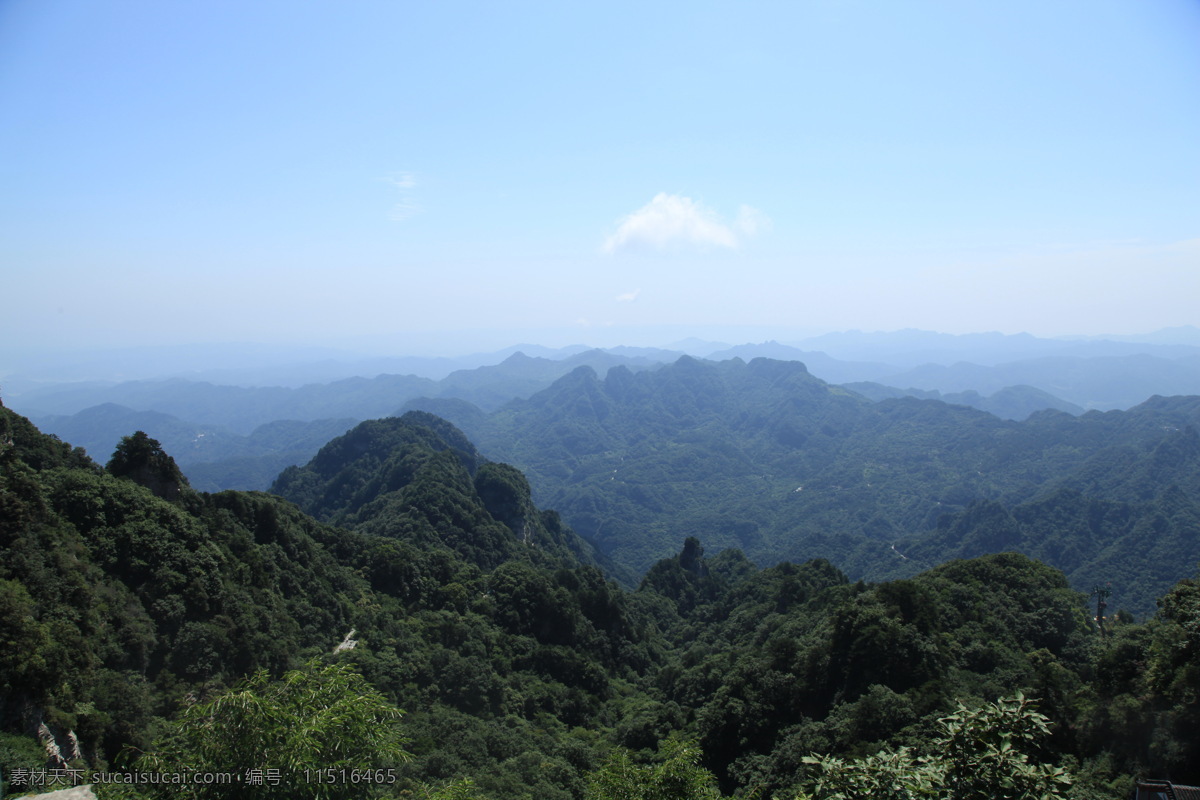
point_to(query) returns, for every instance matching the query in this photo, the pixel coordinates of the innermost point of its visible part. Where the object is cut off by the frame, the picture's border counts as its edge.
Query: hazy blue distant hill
(267, 451)
(913, 348)
(467, 416)
(520, 375)
(1188, 335)
(241, 409)
(1011, 402)
(240, 397)
(212, 457)
(242, 364)
(1101, 383)
(98, 430)
(31, 365)
(1072, 375)
(238, 408)
(828, 369)
(329, 370)
(699, 348)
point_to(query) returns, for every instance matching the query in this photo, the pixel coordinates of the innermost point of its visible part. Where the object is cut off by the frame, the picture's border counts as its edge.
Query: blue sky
(423, 173)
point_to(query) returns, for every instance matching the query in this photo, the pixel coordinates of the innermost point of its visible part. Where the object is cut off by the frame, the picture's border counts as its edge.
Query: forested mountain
(131, 605)
(123, 591)
(764, 457)
(1128, 517)
(414, 478)
(119, 596)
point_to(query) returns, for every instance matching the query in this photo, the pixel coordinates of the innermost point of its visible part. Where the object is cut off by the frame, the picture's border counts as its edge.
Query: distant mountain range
(1011, 402)
(910, 348)
(247, 364)
(212, 427)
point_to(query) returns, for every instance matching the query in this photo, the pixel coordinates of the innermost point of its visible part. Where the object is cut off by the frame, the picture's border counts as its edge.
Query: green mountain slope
(125, 595)
(117, 604)
(765, 458)
(418, 479)
(1128, 516)
(120, 596)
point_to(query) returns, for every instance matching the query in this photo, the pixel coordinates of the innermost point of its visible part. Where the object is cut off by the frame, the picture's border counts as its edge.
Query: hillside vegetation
(135, 608)
(763, 457)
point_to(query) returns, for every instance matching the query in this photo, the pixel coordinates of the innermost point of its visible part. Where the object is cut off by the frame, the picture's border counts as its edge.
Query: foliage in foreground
(320, 732)
(980, 754)
(678, 776)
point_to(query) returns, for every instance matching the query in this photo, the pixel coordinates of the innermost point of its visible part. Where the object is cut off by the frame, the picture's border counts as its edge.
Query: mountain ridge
(764, 457)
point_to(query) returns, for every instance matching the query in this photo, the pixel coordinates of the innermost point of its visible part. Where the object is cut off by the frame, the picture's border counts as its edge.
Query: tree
(978, 756)
(678, 776)
(319, 732)
(142, 460)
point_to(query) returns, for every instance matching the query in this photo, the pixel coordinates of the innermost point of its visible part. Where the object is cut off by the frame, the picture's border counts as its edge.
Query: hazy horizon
(158, 360)
(424, 177)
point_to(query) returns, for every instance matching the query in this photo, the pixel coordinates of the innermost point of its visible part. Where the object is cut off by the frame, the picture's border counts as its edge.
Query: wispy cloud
(672, 221)
(402, 180)
(628, 297)
(403, 210)
(406, 206)
(751, 221)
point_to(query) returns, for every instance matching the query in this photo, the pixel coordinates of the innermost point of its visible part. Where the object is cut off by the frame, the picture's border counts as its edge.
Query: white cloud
(403, 210)
(406, 207)
(402, 180)
(751, 221)
(628, 297)
(671, 221)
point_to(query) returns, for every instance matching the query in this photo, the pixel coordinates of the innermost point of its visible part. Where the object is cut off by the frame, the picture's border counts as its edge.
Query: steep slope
(640, 460)
(761, 456)
(419, 479)
(115, 598)
(117, 604)
(1128, 517)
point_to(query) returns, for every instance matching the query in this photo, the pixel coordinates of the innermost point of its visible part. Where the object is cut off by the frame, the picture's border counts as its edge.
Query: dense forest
(763, 457)
(398, 618)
